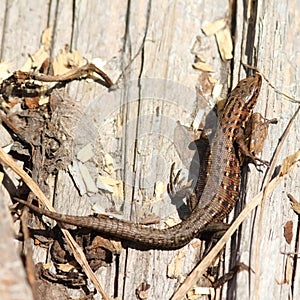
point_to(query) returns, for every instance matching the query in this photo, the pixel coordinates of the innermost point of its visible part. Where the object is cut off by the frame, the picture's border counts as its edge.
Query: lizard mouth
(251, 86)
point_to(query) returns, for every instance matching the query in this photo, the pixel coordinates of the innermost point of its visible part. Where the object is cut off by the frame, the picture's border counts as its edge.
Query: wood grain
(150, 39)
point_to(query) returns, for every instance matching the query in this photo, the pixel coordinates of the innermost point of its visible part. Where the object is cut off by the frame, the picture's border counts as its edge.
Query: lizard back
(220, 192)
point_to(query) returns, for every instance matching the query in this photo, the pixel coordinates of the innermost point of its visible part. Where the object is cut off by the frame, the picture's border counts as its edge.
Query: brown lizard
(221, 190)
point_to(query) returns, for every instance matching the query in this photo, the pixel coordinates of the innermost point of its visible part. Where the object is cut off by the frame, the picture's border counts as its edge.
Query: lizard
(220, 193)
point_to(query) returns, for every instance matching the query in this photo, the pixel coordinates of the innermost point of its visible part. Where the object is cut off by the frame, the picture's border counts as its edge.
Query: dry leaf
(66, 60)
(223, 37)
(32, 102)
(288, 162)
(117, 246)
(76, 250)
(109, 181)
(288, 231)
(35, 61)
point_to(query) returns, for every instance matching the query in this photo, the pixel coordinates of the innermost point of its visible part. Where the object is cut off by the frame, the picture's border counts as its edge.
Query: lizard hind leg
(246, 156)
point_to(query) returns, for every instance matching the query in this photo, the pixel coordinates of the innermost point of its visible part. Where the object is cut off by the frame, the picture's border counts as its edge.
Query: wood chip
(225, 45)
(108, 164)
(102, 185)
(160, 187)
(198, 119)
(65, 267)
(196, 292)
(176, 264)
(36, 60)
(111, 185)
(171, 221)
(47, 38)
(217, 90)
(5, 138)
(214, 27)
(4, 70)
(87, 179)
(86, 153)
(205, 67)
(43, 100)
(74, 172)
(196, 49)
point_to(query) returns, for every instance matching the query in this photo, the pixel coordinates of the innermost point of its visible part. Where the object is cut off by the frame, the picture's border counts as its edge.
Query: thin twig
(30, 269)
(291, 99)
(78, 73)
(76, 249)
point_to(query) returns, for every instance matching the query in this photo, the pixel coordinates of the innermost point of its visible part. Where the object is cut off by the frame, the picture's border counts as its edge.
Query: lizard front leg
(251, 140)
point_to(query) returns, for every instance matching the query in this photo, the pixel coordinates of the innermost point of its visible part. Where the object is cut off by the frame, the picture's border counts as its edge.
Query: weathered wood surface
(154, 40)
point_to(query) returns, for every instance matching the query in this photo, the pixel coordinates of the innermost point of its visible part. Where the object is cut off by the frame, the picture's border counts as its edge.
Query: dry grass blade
(77, 251)
(287, 164)
(266, 191)
(206, 262)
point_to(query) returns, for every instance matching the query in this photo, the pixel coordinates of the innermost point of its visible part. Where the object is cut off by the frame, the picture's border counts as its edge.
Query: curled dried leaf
(288, 162)
(288, 231)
